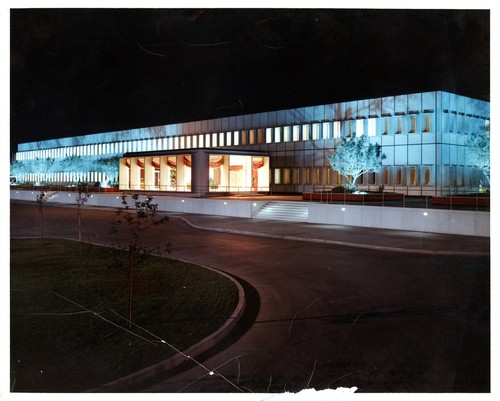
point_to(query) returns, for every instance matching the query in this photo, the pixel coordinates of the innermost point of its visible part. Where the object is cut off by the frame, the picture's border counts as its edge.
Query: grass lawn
(61, 293)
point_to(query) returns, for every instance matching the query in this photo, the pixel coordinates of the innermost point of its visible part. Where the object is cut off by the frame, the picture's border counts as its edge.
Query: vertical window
(236, 138)
(372, 127)
(182, 142)
(194, 141)
(277, 134)
(386, 176)
(316, 176)
(336, 129)
(296, 133)
(252, 137)
(360, 127)
(315, 131)
(244, 137)
(221, 138)
(260, 136)
(208, 142)
(400, 126)
(326, 130)
(214, 140)
(349, 132)
(188, 141)
(386, 129)
(305, 132)
(229, 138)
(413, 176)
(427, 123)
(413, 124)
(296, 176)
(286, 176)
(427, 175)
(277, 176)
(286, 134)
(306, 176)
(399, 176)
(269, 135)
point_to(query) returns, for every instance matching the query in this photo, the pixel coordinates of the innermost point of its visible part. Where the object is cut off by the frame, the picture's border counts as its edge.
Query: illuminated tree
(353, 158)
(477, 151)
(81, 199)
(137, 219)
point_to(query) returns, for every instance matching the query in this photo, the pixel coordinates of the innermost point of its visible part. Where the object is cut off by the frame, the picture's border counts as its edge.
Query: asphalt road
(326, 315)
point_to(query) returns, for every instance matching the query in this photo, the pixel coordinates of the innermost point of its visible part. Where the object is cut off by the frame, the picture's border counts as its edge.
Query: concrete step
(282, 210)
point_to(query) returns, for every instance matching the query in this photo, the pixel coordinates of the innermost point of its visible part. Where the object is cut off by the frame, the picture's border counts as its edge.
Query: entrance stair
(284, 210)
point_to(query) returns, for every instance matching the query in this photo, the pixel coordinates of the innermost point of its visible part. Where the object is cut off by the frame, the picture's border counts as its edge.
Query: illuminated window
(277, 134)
(386, 129)
(221, 139)
(306, 175)
(176, 142)
(236, 138)
(170, 142)
(305, 132)
(413, 176)
(336, 129)
(260, 136)
(399, 176)
(252, 137)
(269, 135)
(286, 176)
(208, 142)
(182, 142)
(315, 131)
(188, 141)
(244, 137)
(214, 140)
(296, 133)
(413, 124)
(194, 141)
(316, 179)
(427, 175)
(372, 127)
(385, 176)
(400, 125)
(427, 124)
(327, 128)
(229, 138)
(286, 134)
(277, 176)
(360, 127)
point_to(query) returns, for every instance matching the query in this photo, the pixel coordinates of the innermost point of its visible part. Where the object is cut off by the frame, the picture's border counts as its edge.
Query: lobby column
(200, 174)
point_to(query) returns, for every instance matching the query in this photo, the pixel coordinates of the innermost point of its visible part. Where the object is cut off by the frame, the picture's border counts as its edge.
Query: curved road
(329, 315)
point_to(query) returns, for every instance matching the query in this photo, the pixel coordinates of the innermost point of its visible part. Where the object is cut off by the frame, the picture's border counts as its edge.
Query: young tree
(353, 157)
(41, 198)
(477, 151)
(81, 199)
(137, 219)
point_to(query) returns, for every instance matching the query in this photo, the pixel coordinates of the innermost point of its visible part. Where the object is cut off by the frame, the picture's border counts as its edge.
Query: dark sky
(81, 71)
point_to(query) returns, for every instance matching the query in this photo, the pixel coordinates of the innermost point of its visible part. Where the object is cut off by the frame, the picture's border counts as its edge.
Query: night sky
(83, 71)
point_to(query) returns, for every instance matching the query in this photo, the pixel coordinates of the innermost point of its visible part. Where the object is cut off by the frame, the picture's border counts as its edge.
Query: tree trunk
(130, 266)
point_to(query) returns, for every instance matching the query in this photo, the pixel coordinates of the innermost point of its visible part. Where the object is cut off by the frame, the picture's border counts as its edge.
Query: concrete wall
(233, 208)
(396, 218)
(412, 219)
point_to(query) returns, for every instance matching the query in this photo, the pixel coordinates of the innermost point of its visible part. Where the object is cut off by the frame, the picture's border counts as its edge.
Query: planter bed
(461, 200)
(350, 197)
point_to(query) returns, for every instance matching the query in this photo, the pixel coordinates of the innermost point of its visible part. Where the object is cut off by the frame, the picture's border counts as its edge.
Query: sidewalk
(367, 238)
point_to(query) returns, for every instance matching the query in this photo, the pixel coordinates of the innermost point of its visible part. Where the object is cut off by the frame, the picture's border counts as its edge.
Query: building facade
(422, 135)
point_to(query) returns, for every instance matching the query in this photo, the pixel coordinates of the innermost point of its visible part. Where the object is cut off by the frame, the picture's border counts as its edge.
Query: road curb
(136, 379)
(334, 242)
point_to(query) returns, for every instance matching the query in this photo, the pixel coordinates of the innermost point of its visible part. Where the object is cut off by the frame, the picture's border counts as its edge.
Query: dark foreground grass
(67, 314)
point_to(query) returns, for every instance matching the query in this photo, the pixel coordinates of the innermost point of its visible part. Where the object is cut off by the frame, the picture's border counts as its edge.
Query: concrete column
(200, 172)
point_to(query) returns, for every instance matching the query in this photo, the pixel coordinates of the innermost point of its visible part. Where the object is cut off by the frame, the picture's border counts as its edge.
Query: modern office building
(422, 135)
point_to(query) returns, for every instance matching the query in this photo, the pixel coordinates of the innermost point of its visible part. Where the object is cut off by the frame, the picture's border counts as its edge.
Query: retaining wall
(413, 219)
